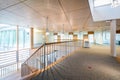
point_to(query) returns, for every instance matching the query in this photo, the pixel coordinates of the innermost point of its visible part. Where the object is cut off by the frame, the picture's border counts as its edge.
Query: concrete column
(17, 45)
(31, 38)
(113, 37)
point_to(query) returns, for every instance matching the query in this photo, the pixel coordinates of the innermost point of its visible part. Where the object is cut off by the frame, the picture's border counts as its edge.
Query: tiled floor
(95, 63)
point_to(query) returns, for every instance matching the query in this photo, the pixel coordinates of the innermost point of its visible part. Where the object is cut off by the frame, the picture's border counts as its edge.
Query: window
(7, 38)
(24, 37)
(101, 2)
(113, 3)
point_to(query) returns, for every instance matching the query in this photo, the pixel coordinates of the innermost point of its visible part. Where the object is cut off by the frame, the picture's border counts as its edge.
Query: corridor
(95, 63)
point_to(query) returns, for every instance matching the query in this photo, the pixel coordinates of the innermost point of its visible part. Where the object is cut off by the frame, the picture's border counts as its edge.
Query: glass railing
(47, 54)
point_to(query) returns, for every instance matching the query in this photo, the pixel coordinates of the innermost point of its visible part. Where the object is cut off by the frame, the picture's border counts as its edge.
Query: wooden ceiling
(74, 14)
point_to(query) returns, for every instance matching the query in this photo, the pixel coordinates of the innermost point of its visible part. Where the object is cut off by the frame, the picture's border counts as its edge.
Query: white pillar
(17, 45)
(113, 38)
(31, 38)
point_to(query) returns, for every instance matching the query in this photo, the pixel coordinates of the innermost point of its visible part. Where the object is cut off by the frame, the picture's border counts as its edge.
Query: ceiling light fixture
(47, 31)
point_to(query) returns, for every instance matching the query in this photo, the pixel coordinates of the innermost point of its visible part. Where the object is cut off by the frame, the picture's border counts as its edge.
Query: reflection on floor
(93, 63)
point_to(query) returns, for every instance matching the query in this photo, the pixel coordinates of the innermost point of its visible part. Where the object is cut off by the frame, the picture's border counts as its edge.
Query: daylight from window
(98, 3)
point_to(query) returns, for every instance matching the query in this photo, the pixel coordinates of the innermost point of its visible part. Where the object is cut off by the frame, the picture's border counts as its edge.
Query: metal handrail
(43, 45)
(34, 52)
(43, 50)
(57, 42)
(47, 44)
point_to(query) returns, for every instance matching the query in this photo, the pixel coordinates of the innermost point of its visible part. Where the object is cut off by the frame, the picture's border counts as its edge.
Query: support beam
(17, 45)
(113, 37)
(31, 38)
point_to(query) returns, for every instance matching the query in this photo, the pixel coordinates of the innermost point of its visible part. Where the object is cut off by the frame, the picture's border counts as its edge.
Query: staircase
(46, 56)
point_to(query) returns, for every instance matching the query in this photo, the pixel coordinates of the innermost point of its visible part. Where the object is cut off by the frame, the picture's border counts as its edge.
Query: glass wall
(24, 37)
(98, 37)
(103, 37)
(50, 37)
(10, 57)
(70, 37)
(7, 39)
(64, 36)
(55, 38)
(106, 37)
(39, 37)
(91, 38)
(118, 39)
(118, 44)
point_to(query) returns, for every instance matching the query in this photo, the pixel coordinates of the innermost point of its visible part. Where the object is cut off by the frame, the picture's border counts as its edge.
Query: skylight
(113, 3)
(98, 3)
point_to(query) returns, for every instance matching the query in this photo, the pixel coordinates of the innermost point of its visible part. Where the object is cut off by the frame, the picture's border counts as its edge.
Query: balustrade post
(54, 57)
(44, 56)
